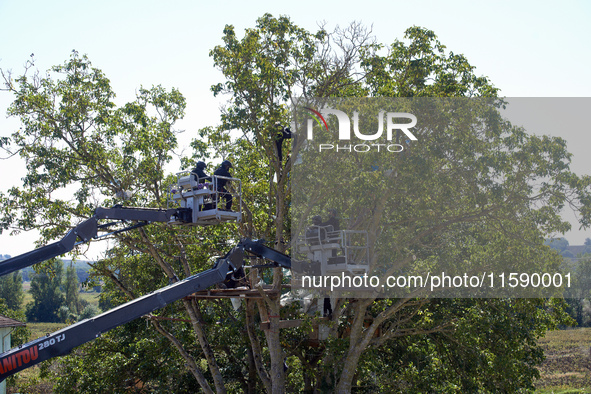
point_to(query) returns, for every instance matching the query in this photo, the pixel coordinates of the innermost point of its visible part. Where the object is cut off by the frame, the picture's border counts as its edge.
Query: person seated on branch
(280, 134)
(220, 186)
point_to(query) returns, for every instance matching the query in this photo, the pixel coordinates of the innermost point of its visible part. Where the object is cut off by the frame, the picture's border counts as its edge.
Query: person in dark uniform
(199, 172)
(332, 220)
(224, 170)
(317, 220)
(281, 134)
(312, 232)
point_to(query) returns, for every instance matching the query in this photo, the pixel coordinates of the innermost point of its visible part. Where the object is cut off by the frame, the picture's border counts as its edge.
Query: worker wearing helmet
(313, 233)
(224, 171)
(199, 172)
(332, 220)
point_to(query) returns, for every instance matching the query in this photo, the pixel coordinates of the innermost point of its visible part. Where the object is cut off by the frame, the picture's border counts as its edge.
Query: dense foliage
(48, 297)
(73, 137)
(11, 290)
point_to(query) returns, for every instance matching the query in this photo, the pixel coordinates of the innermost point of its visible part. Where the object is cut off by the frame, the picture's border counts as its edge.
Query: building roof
(8, 322)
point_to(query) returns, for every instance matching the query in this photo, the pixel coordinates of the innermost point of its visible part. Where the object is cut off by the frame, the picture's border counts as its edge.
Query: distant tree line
(578, 296)
(562, 246)
(81, 268)
(54, 290)
(11, 290)
(81, 273)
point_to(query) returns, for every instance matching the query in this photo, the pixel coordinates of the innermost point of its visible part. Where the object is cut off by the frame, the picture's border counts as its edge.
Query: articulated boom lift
(65, 340)
(334, 252)
(197, 204)
(205, 200)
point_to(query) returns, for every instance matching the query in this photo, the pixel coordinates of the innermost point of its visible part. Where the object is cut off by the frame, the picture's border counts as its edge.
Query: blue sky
(526, 48)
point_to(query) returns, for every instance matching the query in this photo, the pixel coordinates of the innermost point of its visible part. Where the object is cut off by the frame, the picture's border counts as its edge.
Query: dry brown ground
(568, 360)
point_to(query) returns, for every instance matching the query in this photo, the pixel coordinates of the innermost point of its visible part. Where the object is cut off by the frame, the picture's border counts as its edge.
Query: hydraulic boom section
(259, 249)
(88, 229)
(63, 341)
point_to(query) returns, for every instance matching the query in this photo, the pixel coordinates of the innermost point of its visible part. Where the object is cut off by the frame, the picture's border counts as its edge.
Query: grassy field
(567, 368)
(29, 380)
(91, 298)
(40, 329)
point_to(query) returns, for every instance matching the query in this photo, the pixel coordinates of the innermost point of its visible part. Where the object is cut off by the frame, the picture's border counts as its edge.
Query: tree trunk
(194, 314)
(196, 320)
(252, 373)
(191, 364)
(357, 343)
(275, 351)
(256, 346)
